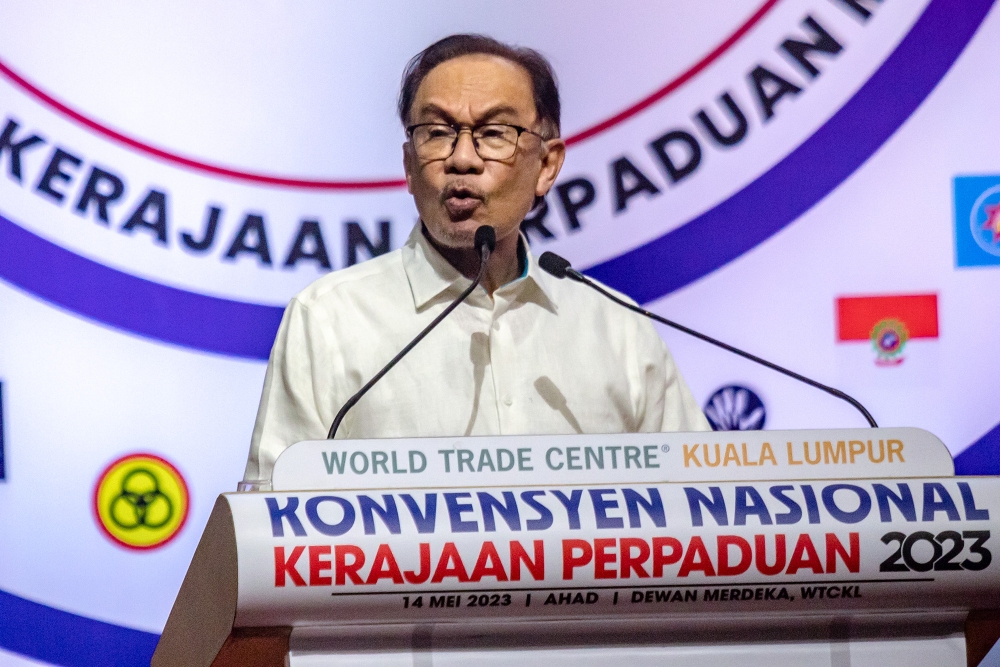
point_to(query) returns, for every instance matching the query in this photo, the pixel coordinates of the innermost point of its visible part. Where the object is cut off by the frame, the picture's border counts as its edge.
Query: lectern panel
(551, 552)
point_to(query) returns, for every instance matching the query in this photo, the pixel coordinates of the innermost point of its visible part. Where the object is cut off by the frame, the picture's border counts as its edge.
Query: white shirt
(543, 356)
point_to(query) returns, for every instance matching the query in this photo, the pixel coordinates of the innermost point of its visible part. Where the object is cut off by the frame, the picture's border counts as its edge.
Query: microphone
(561, 268)
(485, 242)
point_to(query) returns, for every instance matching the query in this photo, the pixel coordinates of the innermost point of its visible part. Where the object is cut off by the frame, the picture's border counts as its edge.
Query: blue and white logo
(735, 408)
(977, 220)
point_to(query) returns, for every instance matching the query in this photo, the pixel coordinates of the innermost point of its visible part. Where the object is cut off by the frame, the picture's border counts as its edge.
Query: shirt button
(496, 326)
(507, 400)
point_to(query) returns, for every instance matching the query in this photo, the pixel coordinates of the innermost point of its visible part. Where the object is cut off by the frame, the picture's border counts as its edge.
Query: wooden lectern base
(269, 647)
(261, 647)
(982, 630)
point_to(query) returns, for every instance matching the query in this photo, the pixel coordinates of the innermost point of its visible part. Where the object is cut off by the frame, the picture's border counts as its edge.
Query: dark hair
(543, 79)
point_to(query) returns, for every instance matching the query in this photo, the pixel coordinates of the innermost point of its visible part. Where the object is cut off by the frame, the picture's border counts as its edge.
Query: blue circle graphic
(735, 408)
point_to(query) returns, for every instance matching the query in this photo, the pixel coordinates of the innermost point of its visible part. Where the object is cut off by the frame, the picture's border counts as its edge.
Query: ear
(407, 165)
(552, 161)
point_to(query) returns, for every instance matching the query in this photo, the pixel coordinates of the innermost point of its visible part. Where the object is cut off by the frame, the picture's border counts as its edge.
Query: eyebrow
(499, 110)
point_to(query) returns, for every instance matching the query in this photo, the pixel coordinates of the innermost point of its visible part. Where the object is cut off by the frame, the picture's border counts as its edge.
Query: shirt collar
(430, 274)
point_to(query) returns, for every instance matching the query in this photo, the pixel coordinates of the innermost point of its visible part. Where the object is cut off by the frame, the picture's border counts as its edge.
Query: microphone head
(485, 236)
(554, 264)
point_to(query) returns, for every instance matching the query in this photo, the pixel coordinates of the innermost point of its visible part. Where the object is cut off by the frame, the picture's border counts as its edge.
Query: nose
(464, 159)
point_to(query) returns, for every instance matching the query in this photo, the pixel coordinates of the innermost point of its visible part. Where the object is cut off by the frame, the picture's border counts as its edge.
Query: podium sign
(568, 557)
(623, 458)
(664, 549)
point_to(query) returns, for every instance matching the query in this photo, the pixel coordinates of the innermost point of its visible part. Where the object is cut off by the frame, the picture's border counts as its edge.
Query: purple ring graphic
(709, 241)
(61, 638)
(124, 301)
(810, 172)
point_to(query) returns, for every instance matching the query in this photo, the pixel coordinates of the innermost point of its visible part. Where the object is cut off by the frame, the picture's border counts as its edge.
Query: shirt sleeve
(680, 409)
(669, 404)
(296, 402)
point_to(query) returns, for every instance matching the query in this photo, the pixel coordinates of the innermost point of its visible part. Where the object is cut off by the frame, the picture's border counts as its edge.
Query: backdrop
(816, 181)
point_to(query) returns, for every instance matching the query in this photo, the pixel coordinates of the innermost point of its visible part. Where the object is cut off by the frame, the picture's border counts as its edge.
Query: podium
(813, 547)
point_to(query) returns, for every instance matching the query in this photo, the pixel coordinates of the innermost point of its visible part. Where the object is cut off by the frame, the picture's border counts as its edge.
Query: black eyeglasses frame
(459, 128)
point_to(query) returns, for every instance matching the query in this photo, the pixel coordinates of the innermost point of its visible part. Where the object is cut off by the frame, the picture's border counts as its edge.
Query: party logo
(888, 321)
(141, 501)
(977, 220)
(735, 408)
(889, 336)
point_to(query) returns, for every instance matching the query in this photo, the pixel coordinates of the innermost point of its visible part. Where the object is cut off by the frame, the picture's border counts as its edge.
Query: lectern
(815, 547)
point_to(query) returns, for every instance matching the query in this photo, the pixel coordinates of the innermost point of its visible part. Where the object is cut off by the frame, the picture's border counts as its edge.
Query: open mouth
(461, 202)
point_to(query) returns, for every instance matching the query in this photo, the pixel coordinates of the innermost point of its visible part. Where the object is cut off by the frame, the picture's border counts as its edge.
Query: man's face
(457, 194)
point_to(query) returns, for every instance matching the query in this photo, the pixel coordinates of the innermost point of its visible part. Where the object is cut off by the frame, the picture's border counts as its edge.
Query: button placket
(497, 348)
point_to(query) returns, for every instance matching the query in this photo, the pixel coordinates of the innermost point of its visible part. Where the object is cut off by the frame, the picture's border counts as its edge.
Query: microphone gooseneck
(561, 268)
(485, 242)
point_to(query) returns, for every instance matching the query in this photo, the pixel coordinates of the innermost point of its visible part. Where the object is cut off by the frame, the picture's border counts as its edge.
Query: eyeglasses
(493, 141)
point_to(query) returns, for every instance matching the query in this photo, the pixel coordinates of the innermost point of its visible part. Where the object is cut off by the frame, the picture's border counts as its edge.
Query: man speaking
(525, 353)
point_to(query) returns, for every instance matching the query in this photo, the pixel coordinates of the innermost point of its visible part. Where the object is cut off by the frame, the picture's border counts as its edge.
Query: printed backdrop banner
(171, 175)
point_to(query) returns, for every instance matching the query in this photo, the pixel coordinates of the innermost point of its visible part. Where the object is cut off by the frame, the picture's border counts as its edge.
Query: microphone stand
(561, 268)
(485, 242)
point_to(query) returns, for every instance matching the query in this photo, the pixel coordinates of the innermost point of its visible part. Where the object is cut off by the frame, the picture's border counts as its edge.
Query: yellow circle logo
(141, 501)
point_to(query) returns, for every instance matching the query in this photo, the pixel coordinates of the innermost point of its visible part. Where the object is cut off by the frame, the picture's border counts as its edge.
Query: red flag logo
(888, 321)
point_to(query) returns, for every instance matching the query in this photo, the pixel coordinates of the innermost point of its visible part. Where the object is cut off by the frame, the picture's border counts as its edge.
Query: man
(526, 353)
